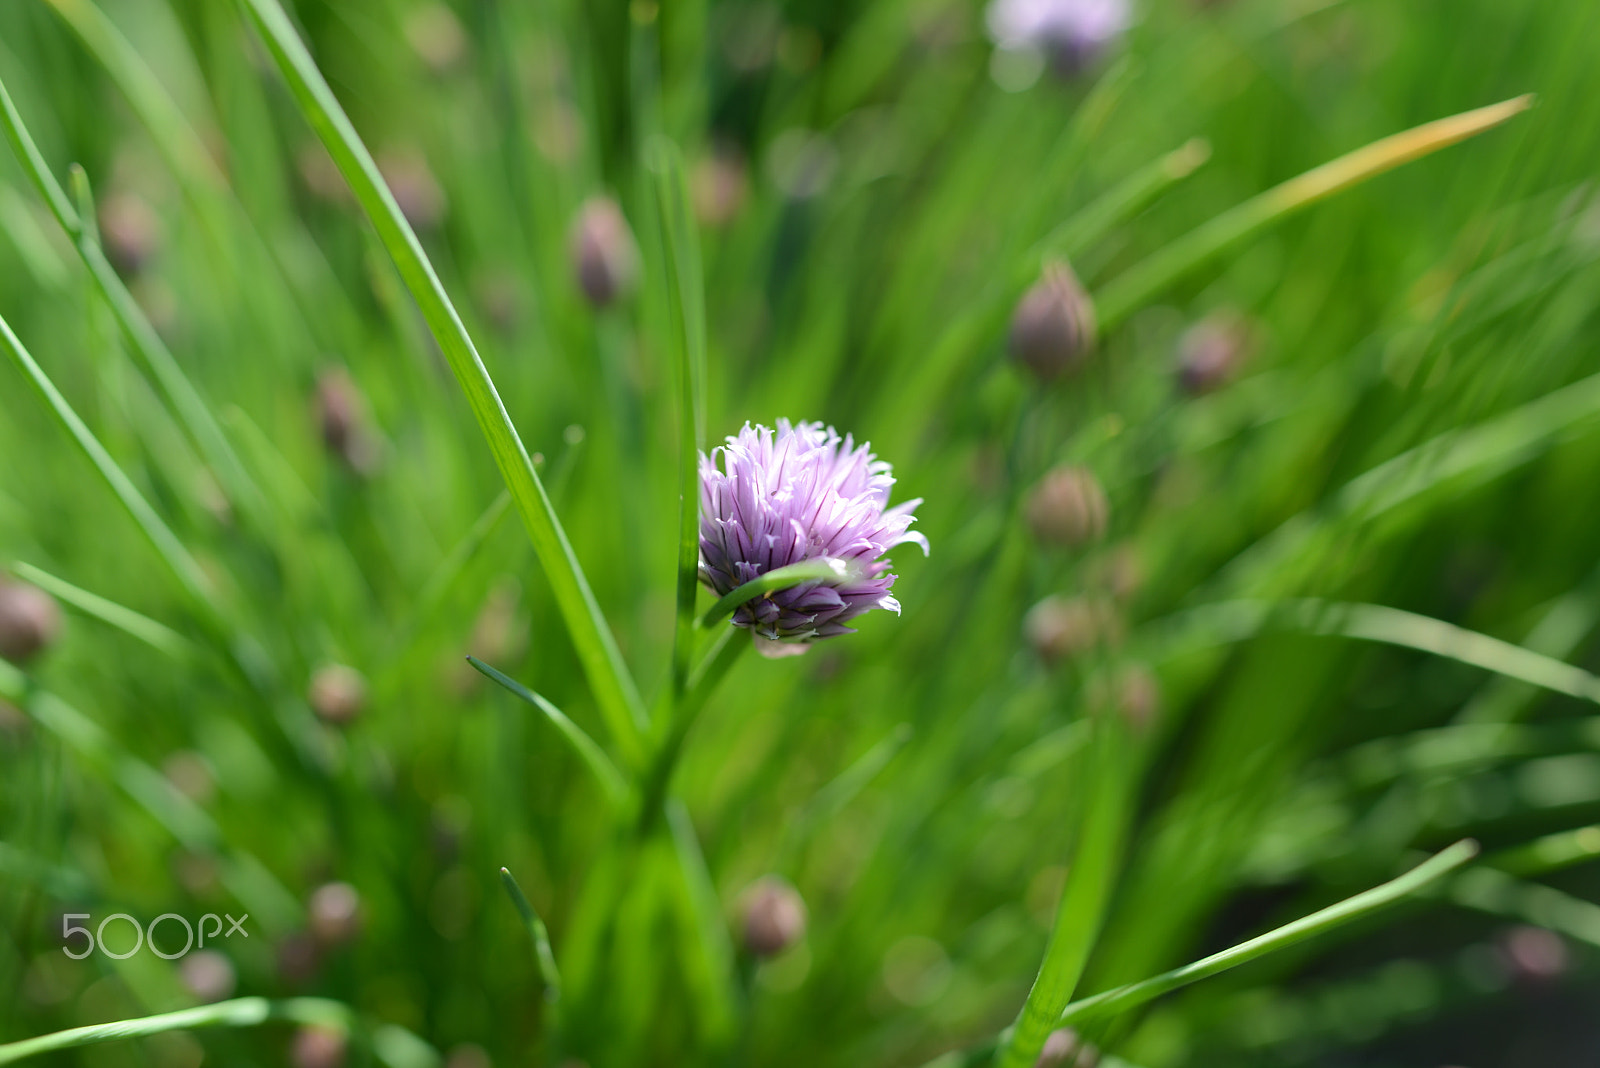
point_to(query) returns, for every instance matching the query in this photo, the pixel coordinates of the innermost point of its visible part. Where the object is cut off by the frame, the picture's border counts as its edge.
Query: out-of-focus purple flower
(769, 499)
(1070, 32)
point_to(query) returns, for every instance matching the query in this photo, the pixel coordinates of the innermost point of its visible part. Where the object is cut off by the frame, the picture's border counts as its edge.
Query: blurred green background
(1407, 421)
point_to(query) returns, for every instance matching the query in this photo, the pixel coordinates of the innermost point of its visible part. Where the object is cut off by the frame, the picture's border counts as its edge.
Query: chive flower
(1071, 33)
(769, 499)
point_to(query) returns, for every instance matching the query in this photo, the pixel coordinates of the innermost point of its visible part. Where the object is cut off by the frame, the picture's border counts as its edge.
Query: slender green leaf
(543, 954)
(686, 302)
(1146, 280)
(589, 751)
(147, 630)
(614, 688)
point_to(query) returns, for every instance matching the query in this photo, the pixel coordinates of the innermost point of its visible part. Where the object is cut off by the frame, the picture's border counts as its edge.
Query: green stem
(240, 1012)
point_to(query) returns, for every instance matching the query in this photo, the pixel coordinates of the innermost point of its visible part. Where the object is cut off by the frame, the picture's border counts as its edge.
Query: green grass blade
(449, 569)
(147, 630)
(1499, 894)
(543, 954)
(588, 750)
(822, 569)
(686, 303)
(614, 688)
(1146, 280)
(1082, 907)
(160, 536)
(191, 409)
(1229, 621)
(240, 1012)
(1127, 997)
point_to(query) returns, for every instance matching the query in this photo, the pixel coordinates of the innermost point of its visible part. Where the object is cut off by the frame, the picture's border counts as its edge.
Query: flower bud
(337, 693)
(720, 186)
(415, 190)
(335, 910)
(436, 36)
(1053, 329)
(208, 975)
(341, 413)
(1535, 955)
(1131, 692)
(318, 1047)
(1211, 352)
(30, 620)
(1062, 628)
(130, 232)
(604, 256)
(1064, 1049)
(1068, 507)
(774, 917)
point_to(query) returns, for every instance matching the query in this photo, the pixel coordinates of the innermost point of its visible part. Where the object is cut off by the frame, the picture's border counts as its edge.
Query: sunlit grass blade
(613, 687)
(1550, 853)
(686, 305)
(839, 792)
(156, 635)
(1148, 279)
(1082, 908)
(712, 949)
(1237, 620)
(166, 543)
(543, 954)
(588, 750)
(240, 1012)
(190, 408)
(822, 569)
(1380, 897)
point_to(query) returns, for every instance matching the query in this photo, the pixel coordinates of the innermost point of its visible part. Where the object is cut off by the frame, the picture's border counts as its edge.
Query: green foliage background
(1417, 430)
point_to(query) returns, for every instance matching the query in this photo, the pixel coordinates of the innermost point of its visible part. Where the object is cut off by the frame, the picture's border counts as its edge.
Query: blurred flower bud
(1131, 692)
(1071, 34)
(130, 231)
(318, 1047)
(774, 917)
(320, 174)
(604, 256)
(190, 774)
(1064, 1049)
(297, 959)
(208, 975)
(720, 185)
(335, 910)
(1119, 573)
(1211, 352)
(29, 621)
(468, 1055)
(415, 189)
(341, 413)
(1061, 628)
(1068, 507)
(1534, 954)
(436, 36)
(338, 693)
(1053, 328)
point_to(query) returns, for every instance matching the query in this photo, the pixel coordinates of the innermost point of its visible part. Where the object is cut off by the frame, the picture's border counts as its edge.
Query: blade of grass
(160, 536)
(240, 1012)
(1127, 997)
(448, 570)
(191, 409)
(543, 954)
(1082, 906)
(686, 304)
(614, 688)
(147, 630)
(588, 750)
(1145, 280)
(1236, 620)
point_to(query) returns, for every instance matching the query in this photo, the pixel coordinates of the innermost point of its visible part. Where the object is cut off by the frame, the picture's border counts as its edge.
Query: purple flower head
(769, 499)
(1070, 32)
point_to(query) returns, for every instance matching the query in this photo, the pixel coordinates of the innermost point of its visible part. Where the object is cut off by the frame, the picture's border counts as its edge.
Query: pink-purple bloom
(769, 499)
(1070, 32)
